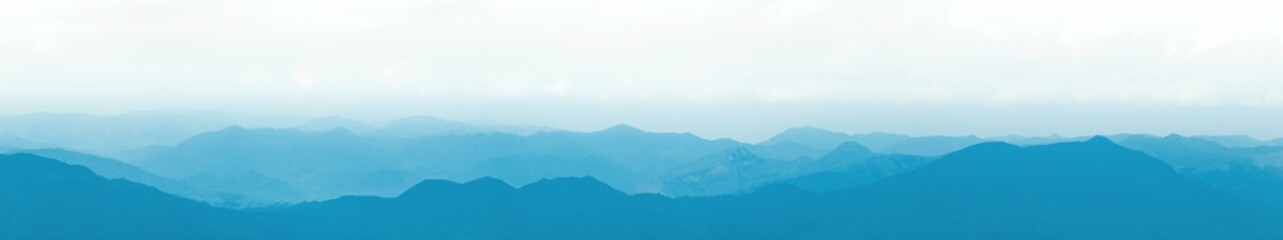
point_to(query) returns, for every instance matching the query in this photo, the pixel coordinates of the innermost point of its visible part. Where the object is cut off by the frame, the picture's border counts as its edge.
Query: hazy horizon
(716, 68)
(756, 136)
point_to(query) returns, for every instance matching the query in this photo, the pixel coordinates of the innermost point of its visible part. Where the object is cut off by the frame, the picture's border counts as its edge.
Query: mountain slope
(317, 165)
(42, 198)
(110, 134)
(932, 145)
(998, 190)
(809, 136)
(1081, 190)
(1251, 173)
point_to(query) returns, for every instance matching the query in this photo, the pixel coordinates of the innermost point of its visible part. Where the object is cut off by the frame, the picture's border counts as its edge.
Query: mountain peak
(809, 129)
(489, 182)
(985, 148)
(586, 186)
(621, 128)
(1098, 139)
(852, 146)
(806, 132)
(810, 136)
(849, 150)
(429, 189)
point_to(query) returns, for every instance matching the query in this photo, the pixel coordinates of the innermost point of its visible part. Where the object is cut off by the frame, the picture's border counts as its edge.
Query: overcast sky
(743, 69)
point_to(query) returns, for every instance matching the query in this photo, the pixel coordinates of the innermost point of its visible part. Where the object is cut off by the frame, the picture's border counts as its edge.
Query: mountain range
(1093, 189)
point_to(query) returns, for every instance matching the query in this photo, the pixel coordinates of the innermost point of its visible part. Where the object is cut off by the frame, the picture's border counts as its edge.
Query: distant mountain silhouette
(110, 169)
(1094, 189)
(933, 145)
(428, 126)
(811, 137)
(15, 143)
(852, 165)
(739, 171)
(525, 169)
(824, 139)
(843, 154)
(263, 164)
(734, 171)
(787, 151)
(879, 141)
(1080, 190)
(324, 165)
(1036, 140)
(901, 144)
(224, 191)
(1276, 142)
(644, 154)
(109, 134)
(1252, 173)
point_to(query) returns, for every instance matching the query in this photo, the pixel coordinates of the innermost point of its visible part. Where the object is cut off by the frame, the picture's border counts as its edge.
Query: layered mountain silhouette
(280, 165)
(739, 171)
(428, 126)
(853, 165)
(825, 139)
(108, 134)
(110, 168)
(1094, 189)
(337, 179)
(933, 145)
(1252, 173)
(1240, 141)
(266, 164)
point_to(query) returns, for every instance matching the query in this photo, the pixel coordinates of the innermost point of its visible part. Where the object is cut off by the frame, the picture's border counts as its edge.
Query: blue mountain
(811, 137)
(112, 169)
(42, 198)
(853, 165)
(741, 170)
(280, 165)
(1251, 173)
(110, 134)
(419, 126)
(824, 139)
(289, 165)
(933, 145)
(1094, 189)
(1081, 190)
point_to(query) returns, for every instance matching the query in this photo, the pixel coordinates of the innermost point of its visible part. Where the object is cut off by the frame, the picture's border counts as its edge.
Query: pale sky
(717, 68)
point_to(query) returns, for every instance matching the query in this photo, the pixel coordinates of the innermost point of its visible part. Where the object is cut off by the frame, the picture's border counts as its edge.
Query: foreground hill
(41, 198)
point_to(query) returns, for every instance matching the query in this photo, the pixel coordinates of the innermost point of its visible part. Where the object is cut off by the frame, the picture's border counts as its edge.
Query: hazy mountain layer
(1080, 190)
